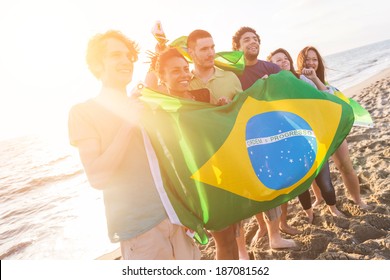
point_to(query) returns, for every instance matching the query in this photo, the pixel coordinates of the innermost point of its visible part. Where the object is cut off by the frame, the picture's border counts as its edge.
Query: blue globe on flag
(282, 148)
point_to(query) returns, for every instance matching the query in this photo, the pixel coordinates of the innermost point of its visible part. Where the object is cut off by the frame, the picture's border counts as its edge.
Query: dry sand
(362, 234)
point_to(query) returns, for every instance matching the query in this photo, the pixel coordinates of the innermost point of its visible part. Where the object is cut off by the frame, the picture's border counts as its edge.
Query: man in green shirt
(223, 86)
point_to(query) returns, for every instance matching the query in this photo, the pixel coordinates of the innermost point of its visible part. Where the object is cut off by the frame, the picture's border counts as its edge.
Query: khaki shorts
(165, 241)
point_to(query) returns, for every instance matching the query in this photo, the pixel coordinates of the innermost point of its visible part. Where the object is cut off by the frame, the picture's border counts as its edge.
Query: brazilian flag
(362, 116)
(218, 165)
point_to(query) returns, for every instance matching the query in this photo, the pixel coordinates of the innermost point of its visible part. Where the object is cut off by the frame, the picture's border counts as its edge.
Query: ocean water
(48, 211)
(348, 68)
(47, 208)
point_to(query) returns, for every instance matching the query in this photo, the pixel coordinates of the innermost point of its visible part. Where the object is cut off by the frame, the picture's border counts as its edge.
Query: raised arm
(310, 73)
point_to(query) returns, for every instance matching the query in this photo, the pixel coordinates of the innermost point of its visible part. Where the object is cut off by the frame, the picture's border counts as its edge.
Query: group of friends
(111, 143)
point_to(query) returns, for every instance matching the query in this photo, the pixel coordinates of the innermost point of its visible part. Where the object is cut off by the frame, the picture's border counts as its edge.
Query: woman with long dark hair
(310, 60)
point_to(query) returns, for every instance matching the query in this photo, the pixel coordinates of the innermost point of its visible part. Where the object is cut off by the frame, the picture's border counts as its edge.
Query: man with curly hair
(247, 40)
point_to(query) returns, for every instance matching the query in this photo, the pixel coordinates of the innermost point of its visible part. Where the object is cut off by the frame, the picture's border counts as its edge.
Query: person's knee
(272, 214)
(346, 168)
(226, 240)
(225, 237)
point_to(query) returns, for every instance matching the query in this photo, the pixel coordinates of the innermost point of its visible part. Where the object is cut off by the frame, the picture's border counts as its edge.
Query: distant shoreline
(357, 89)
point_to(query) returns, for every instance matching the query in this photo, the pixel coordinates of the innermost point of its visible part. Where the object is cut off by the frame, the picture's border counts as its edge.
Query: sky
(42, 51)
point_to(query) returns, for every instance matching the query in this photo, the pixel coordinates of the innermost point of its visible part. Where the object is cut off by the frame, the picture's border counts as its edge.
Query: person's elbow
(97, 182)
(97, 185)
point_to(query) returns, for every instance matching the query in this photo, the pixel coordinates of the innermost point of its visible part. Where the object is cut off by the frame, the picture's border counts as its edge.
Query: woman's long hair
(301, 62)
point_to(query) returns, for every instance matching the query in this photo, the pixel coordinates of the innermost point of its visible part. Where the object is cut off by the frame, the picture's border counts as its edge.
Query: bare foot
(362, 205)
(334, 211)
(317, 202)
(310, 215)
(288, 229)
(282, 243)
(259, 234)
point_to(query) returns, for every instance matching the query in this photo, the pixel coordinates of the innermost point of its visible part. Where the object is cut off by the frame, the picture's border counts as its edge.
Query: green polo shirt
(222, 83)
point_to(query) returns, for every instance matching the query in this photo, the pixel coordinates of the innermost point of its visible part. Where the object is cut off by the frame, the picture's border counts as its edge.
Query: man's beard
(251, 56)
(206, 66)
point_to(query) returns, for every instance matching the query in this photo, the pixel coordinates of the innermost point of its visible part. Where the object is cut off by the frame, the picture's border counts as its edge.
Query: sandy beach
(362, 234)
